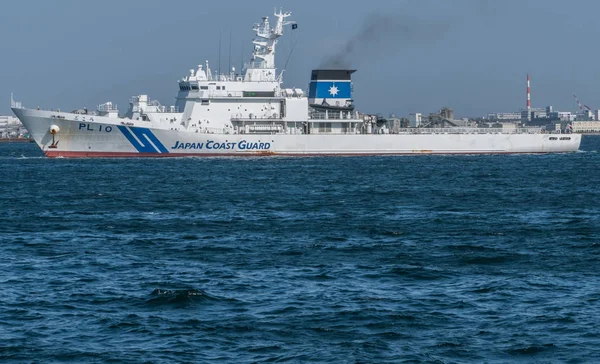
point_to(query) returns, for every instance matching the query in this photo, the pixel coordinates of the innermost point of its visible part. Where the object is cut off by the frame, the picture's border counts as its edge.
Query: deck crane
(579, 104)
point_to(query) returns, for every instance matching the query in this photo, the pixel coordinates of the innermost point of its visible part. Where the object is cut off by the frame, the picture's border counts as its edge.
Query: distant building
(565, 116)
(11, 127)
(539, 115)
(415, 119)
(586, 126)
(529, 115)
(586, 115)
(507, 125)
(465, 123)
(505, 116)
(396, 123)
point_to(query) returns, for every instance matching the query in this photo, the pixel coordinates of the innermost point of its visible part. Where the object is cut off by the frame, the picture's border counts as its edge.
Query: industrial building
(504, 116)
(11, 127)
(415, 119)
(586, 126)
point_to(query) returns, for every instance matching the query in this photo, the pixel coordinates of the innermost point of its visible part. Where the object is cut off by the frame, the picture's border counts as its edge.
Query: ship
(251, 113)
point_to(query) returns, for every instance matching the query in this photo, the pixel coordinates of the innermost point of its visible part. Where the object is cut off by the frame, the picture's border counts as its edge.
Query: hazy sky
(411, 55)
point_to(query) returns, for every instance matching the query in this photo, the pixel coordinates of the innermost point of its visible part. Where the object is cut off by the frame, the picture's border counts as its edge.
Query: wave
(177, 296)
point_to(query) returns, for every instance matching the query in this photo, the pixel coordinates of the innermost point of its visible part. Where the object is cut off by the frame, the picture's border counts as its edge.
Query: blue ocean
(428, 259)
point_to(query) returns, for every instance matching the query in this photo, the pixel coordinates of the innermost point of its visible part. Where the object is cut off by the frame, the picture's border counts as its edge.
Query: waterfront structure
(11, 127)
(415, 119)
(586, 126)
(505, 116)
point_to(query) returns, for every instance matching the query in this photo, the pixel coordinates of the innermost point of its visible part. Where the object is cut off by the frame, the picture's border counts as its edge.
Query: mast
(262, 67)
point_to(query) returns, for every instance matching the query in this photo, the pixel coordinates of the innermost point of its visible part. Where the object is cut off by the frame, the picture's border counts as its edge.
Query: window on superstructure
(325, 127)
(203, 87)
(223, 87)
(194, 87)
(218, 87)
(259, 94)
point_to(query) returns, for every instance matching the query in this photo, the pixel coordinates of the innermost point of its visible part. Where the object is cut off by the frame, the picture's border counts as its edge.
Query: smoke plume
(381, 35)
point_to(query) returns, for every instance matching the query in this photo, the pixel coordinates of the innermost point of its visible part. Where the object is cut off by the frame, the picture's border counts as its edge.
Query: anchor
(54, 130)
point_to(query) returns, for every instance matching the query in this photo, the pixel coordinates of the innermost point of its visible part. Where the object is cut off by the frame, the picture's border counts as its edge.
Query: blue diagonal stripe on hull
(144, 132)
(144, 135)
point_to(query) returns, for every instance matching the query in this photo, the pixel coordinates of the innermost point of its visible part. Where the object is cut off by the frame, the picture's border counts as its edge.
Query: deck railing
(467, 131)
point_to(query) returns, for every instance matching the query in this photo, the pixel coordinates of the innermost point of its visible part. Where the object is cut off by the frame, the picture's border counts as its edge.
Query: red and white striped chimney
(528, 93)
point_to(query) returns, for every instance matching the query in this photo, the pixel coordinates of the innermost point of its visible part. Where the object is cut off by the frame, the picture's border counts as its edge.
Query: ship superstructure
(251, 113)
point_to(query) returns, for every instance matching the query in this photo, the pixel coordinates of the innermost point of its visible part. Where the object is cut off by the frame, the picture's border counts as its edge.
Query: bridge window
(194, 87)
(203, 87)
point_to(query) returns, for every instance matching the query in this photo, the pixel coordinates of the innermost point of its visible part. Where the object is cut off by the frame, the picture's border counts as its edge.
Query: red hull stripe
(66, 154)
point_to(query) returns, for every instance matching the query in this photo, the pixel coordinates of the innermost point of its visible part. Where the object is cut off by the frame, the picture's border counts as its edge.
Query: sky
(411, 55)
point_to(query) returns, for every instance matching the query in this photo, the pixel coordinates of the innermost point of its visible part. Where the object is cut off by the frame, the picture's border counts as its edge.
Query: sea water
(487, 258)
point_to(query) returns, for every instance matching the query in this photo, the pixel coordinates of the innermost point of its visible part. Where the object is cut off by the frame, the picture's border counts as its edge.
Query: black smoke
(381, 35)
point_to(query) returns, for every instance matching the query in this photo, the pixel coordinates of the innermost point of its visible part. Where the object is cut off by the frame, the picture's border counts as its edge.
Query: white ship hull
(94, 136)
